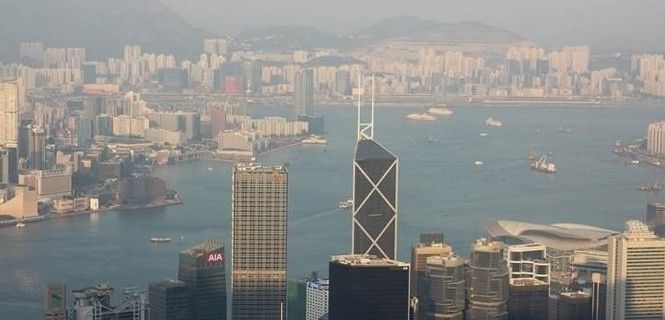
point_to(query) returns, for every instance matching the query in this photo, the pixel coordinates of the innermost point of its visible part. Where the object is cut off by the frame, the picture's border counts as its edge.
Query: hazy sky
(607, 23)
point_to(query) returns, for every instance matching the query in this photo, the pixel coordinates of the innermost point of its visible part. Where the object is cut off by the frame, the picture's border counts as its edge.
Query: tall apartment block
(259, 229)
(636, 274)
(488, 281)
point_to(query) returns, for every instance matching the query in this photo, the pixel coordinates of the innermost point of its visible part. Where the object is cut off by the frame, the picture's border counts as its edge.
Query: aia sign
(215, 257)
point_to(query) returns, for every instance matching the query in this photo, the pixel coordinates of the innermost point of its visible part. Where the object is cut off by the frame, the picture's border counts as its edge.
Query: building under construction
(94, 303)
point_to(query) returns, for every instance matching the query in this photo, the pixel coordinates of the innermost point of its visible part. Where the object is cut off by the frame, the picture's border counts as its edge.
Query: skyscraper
(374, 200)
(37, 148)
(304, 93)
(259, 211)
(316, 298)
(429, 246)
(444, 292)
(487, 281)
(636, 274)
(375, 173)
(528, 299)
(169, 300)
(656, 218)
(365, 287)
(9, 117)
(202, 268)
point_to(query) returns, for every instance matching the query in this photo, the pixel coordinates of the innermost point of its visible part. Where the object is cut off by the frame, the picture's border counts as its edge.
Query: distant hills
(289, 38)
(405, 29)
(415, 30)
(102, 26)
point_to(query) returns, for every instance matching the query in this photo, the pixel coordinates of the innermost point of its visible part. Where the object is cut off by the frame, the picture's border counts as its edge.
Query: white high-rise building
(9, 113)
(656, 138)
(316, 294)
(636, 274)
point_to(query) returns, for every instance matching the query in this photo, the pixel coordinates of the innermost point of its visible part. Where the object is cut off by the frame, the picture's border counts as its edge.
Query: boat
(653, 187)
(493, 122)
(483, 134)
(160, 239)
(478, 163)
(431, 139)
(420, 117)
(20, 225)
(346, 204)
(634, 162)
(543, 165)
(314, 139)
(440, 111)
(209, 169)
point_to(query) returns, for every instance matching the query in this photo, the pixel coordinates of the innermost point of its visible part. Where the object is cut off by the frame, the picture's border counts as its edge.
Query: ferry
(483, 134)
(420, 117)
(346, 204)
(653, 187)
(20, 225)
(478, 163)
(543, 165)
(440, 111)
(493, 122)
(314, 139)
(160, 239)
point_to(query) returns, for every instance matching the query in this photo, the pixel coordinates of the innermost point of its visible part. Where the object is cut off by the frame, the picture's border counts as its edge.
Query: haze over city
(340, 160)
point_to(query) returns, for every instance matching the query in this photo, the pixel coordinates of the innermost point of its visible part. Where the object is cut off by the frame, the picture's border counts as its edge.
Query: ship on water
(420, 117)
(652, 187)
(160, 239)
(314, 139)
(440, 111)
(346, 204)
(493, 122)
(543, 165)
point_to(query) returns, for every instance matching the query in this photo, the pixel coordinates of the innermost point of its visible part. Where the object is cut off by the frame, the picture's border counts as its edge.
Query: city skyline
(396, 167)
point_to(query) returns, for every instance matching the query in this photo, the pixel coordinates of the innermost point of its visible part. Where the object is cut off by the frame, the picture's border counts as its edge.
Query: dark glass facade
(529, 299)
(375, 173)
(368, 289)
(169, 300)
(203, 269)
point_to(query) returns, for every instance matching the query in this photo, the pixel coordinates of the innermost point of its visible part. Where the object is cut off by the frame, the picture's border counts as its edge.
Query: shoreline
(166, 203)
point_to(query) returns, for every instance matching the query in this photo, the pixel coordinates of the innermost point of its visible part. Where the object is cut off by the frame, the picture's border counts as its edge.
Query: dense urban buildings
(203, 269)
(259, 214)
(365, 287)
(636, 274)
(95, 303)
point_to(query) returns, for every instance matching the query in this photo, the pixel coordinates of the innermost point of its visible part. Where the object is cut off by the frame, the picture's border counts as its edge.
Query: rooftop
(203, 248)
(367, 261)
(562, 236)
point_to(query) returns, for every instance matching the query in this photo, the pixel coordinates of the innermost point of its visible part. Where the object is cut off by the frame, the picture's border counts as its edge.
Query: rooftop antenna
(365, 127)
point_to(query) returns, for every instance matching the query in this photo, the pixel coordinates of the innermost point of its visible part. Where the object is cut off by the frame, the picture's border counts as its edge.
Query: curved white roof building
(560, 236)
